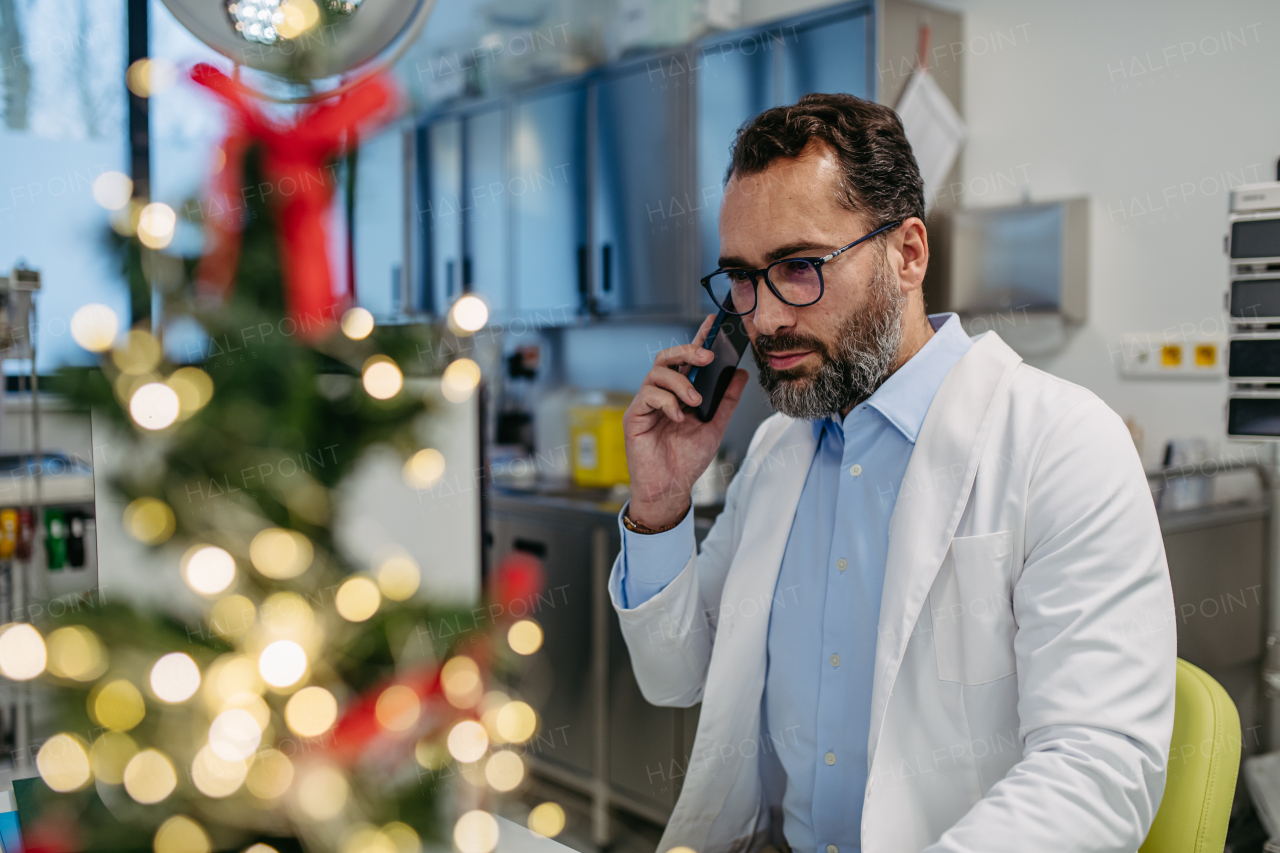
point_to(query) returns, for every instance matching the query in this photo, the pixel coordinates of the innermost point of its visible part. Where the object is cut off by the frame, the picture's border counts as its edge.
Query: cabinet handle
(448, 279)
(466, 273)
(606, 254)
(582, 272)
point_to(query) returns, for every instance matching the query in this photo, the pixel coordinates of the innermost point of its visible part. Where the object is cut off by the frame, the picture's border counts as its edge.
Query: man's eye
(738, 276)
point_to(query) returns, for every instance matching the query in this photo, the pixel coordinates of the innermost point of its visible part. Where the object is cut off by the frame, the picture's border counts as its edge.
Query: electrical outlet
(1153, 355)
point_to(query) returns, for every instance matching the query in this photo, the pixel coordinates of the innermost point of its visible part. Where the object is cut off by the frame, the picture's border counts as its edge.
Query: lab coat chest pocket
(972, 609)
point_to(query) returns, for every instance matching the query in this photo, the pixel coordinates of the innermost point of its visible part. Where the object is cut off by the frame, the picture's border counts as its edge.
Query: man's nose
(771, 314)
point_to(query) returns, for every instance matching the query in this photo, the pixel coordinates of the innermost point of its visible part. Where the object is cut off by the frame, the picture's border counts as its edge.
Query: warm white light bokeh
(424, 468)
(460, 677)
(282, 663)
(156, 224)
(311, 712)
(468, 741)
(112, 190)
(504, 770)
(459, 380)
(208, 569)
(63, 763)
(22, 652)
(476, 832)
(75, 652)
(154, 406)
(398, 708)
(94, 327)
(175, 678)
(357, 324)
(181, 834)
(234, 735)
(357, 599)
(281, 554)
(547, 819)
(399, 577)
(216, 776)
(469, 314)
(382, 378)
(516, 722)
(149, 777)
(525, 637)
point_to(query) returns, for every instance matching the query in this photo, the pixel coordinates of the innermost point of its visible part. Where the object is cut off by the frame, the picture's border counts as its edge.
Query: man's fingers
(652, 399)
(676, 383)
(690, 353)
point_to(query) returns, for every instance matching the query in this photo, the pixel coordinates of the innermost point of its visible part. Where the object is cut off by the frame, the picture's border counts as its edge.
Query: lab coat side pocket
(972, 607)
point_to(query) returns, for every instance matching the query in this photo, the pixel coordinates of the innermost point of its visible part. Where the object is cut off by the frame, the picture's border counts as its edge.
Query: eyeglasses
(795, 281)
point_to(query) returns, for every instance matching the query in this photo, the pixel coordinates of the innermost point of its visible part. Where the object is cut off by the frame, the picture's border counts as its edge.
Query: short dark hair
(881, 177)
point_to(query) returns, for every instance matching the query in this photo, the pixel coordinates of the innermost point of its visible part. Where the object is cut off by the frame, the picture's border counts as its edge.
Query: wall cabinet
(441, 214)
(486, 226)
(548, 196)
(598, 197)
(641, 199)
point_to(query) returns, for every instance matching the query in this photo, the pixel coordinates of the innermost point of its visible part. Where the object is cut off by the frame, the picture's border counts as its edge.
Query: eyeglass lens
(796, 281)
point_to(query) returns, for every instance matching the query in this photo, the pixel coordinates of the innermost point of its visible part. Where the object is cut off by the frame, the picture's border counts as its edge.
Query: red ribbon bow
(294, 161)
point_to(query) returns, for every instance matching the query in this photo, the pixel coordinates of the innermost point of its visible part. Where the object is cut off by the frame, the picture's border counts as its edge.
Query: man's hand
(667, 447)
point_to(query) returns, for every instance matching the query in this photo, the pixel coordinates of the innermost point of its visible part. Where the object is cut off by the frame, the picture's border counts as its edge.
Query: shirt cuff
(650, 561)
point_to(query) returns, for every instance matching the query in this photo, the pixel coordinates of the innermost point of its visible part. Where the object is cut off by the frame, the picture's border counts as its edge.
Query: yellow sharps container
(596, 445)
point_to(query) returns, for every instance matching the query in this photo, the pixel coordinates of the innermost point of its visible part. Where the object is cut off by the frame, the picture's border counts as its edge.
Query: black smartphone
(728, 339)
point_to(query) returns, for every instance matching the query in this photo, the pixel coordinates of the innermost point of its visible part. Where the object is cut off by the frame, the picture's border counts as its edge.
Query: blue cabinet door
(486, 262)
(548, 196)
(641, 192)
(829, 55)
(441, 212)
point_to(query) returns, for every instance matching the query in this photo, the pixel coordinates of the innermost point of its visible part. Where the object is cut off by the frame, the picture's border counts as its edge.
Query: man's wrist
(650, 519)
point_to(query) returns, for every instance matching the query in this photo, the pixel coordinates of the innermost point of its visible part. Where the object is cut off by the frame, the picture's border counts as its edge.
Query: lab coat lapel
(730, 715)
(934, 492)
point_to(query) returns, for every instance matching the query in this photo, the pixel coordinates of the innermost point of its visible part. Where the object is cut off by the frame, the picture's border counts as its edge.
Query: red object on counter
(519, 577)
(298, 184)
(26, 535)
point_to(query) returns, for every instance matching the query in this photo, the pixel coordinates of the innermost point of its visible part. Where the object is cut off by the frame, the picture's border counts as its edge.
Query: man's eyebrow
(775, 255)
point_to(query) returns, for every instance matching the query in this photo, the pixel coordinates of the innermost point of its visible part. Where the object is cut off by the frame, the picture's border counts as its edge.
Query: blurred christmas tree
(309, 706)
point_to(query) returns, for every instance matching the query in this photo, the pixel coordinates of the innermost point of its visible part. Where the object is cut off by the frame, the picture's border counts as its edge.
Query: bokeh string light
(459, 380)
(547, 819)
(476, 832)
(175, 678)
(424, 468)
(63, 763)
(208, 569)
(22, 652)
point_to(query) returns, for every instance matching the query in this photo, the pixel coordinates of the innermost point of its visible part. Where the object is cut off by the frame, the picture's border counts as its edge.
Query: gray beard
(864, 357)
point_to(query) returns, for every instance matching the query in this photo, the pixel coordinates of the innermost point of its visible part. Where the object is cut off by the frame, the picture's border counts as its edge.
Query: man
(935, 612)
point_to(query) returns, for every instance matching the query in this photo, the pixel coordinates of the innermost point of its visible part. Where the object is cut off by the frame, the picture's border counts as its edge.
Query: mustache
(789, 341)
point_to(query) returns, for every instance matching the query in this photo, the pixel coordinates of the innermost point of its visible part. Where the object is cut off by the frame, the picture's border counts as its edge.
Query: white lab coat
(1024, 674)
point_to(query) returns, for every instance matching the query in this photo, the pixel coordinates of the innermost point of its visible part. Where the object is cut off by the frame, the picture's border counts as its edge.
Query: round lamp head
(306, 40)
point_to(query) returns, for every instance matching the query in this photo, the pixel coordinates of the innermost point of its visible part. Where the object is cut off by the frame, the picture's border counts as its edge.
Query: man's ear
(912, 256)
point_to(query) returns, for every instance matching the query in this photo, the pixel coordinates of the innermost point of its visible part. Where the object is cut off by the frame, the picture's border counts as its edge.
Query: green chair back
(1204, 760)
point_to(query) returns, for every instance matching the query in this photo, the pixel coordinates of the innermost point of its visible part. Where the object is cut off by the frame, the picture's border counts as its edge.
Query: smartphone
(728, 339)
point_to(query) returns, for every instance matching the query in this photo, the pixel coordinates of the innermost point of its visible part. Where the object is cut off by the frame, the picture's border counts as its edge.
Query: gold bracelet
(637, 527)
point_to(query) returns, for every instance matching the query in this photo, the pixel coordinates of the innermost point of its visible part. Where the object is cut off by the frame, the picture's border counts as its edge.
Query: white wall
(1151, 109)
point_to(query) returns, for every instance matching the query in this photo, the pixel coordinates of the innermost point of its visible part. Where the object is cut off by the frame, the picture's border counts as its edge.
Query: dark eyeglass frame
(816, 262)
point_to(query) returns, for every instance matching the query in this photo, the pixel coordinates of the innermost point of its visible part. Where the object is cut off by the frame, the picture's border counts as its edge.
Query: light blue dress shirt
(823, 624)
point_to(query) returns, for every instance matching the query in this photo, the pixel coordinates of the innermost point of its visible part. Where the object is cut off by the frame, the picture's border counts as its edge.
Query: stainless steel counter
(598, 734)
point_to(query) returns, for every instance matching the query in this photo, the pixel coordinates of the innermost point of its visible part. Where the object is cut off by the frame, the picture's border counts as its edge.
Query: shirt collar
(904, 398)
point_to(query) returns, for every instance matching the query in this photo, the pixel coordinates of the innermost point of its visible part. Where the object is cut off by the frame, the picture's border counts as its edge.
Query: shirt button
(855, 469)
(831, 848)
(842, 564)
(831, 758)
(835, 660)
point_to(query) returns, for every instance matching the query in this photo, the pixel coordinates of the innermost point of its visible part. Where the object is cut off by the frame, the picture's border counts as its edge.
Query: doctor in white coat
(935, 613)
